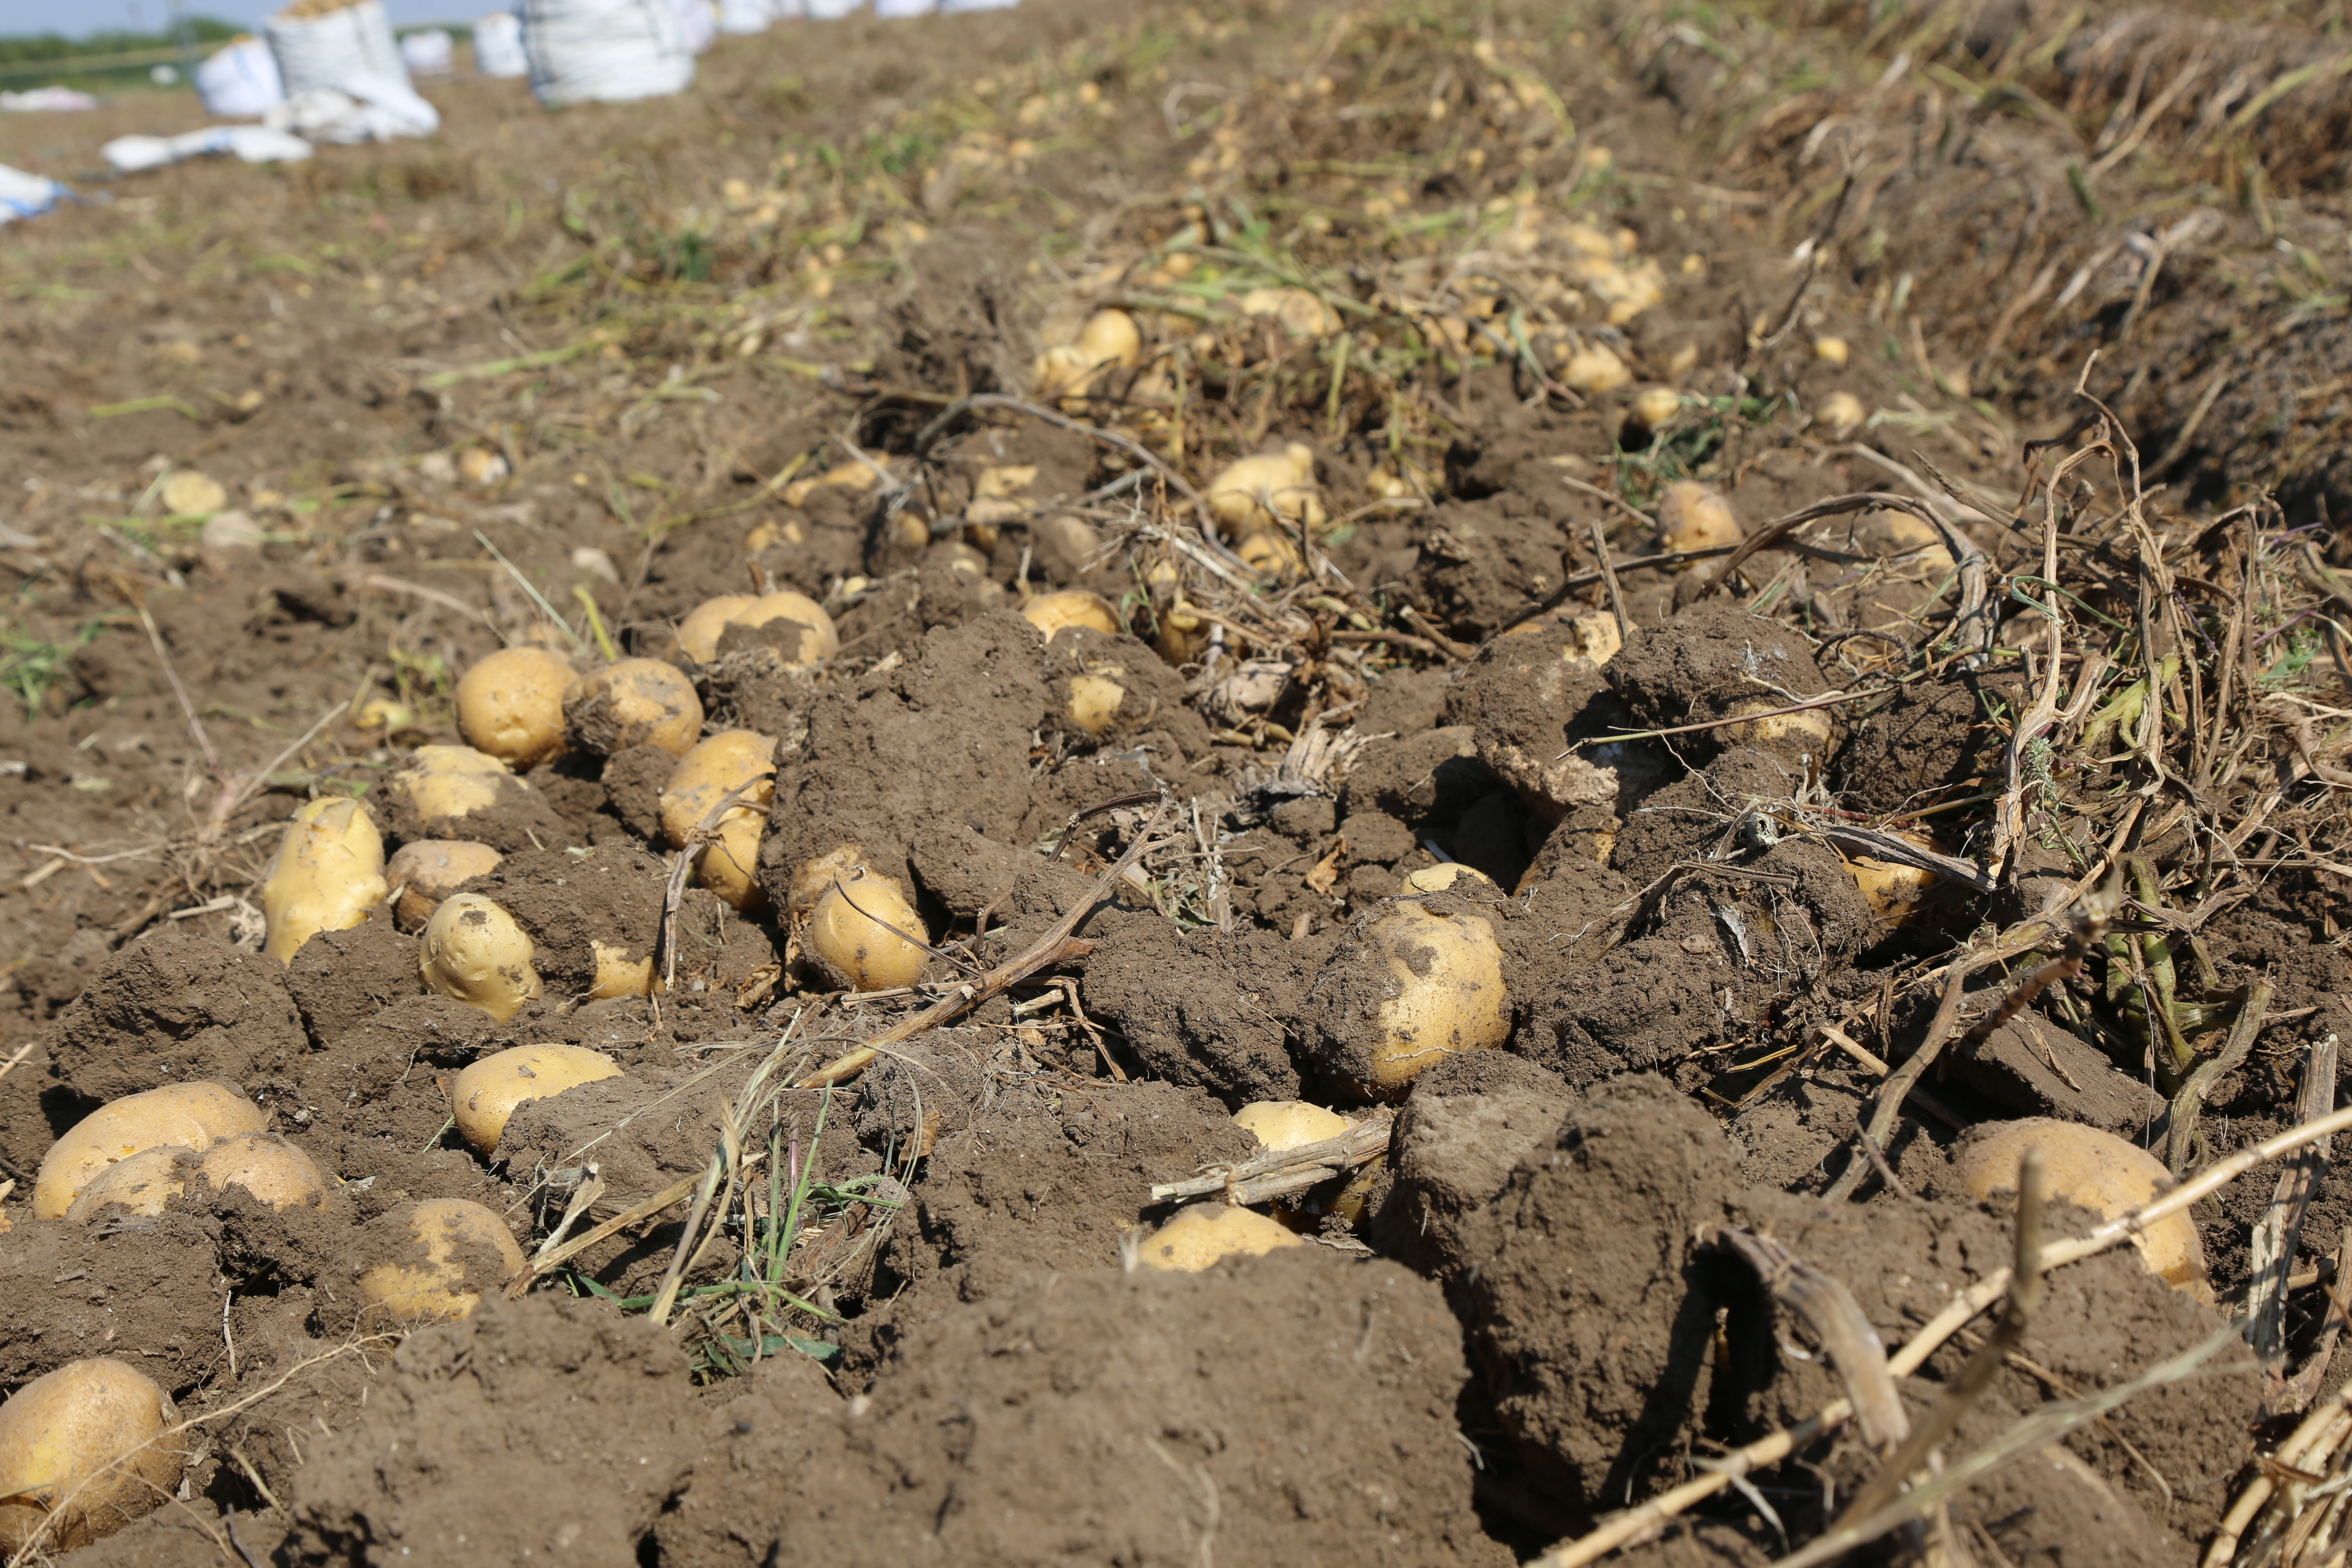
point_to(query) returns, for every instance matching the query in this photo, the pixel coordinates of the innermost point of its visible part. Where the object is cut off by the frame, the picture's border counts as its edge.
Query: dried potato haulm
(84, 1450)
(1207, 1232)
(474, 953)
(2095, 1171)
(864, 933)
(632, 702)
(485, 1095)
(1059, 611)
(328, 875)
(1407, 988)
(510, 705)
(179, 1115)
(266, 1165)
(438, 1256)
(1271, 490)
(429, 869)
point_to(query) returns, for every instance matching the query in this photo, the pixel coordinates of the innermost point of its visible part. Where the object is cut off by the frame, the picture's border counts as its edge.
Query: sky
(77, 17)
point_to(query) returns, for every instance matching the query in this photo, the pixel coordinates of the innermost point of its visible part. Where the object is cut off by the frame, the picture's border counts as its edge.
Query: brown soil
(907, 1324)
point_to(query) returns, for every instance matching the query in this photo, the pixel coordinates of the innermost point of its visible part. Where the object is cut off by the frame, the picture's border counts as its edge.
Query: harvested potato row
(178, 1115)
(84, 1450)
(329, 873)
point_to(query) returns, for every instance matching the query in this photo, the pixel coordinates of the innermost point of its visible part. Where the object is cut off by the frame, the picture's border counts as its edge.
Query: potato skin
(1409, 987)
(83, 1452)
(428, 870)
(855, 934)
(1051, 613)
(264, 1164)
(328, 875)
(182, 1115)
(727, 761)
(1205, 1233)
(632, 702)
(474, 953)
(697, 635)
(485, 1095)
(510, 706)
(424, 1277)
(2093, 1170)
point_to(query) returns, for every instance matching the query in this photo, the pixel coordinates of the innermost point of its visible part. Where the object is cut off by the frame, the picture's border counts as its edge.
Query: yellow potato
(484, 1094)
(474, 953)
(2095, 1171)
(1444, 874)
(192, 494)
(1273, 554)
(1205, 1233)
(439, 783)
(1095, 701)
(264, 1164)
(1266, 490)
(1831, 350)
(510, 706)
(84, 1450)
(1788, 735)
(632, 702)
(1693, 516)
(1594, 367)
(865, 934)
(697, 635)
(1303, 315)
(1185, 635)
(1111, 337)
(180, 1115)
(428, 870)
(328, 875)
(1653, 408)
(1406, 991)
(425, 1278)
(730, 866)
(1842, 414)
(1051, 613)
(1901, 895)
(1288, 1123)
(815, 878)
(618, 974)
(818, 639)
(732, 759)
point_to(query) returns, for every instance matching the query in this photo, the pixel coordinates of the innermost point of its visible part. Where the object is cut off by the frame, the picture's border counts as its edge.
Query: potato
(266, 1165)
(1842, 414)
(866, 934)
(1693, 516)
(818, 641)
(1271, 490)
(1594, 367)
(484, 1094)
(1095, 701)
(1653, 408)
(1438, 877)
(474, 953)
(632, 702)
(442, 781)
(510, 706)
(1404, 991)
(1272, 553)
(84, 1450)
(192, 494)
(180, 1115)
(1109, 340)
(328, 875)
(1185, 635)
(730, 866)
(1831, 350)
(1288, 1123)
(1902, 895)
(1052, 613)
(428, 1279)
(815, 878)
(429, 869)
(1201, 1235)
(1302, 314)
(697, 635)
(618, 974)
(1789, 736)
(729, 760)
(2095, 1171)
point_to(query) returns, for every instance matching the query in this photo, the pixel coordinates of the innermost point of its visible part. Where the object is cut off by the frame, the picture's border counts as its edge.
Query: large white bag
(330, 51)
(428, 52)
(609, 51)
(497, 46)
(27, 196)
(241, 81)
(740, 16)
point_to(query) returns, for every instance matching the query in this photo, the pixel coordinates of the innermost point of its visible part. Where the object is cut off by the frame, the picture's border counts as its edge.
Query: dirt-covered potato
(1109, 340)
(1272, 488)
(729, 760)
(442, 783)
(178, 1115)
(1653, 408)
(730, 866)
(1444, 874)
(264, 1164)
(1408, 987)
(632, 702)
(428, 870)
(1693, 516)
(1593, 367)
(1902, 895)
(815, 876)
(697, 635)
(2095, 1171)
(1792, 737)
(475, 952)
(1288, 1123)
(437, 1256)
(1095, 700)
(1200, 1236)
(1051, 613)
(483, 1096)
(328, 875)
(817, 642)
(864, 933)
(510, 705)
(84, 1450)
(618, 974)
(1840, 416)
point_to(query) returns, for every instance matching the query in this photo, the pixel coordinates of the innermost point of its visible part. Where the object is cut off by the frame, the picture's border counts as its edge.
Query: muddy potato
(2095, 1171)
(865, 932)
(180, 1115)
(1841, 415)
(1052, 613)
(730, 866)
(1095, 700)
(1789, 736)
(1271, 490)
(426, 1274)
(1273, 554)
(632, 702)
(1831, 350)
(618, 974)
(442, 781)
(815, 878)
(1653, 408)
(1200, 1236)
(483, 1096)
(1594, 367)
(818, 641)
(474, 953)
(1693, 516)
(1405, 990)
(428, 870)
(730, 760)
(84, 1450)
(328, 875)
(1109, 340)
(264, 1164)
(1185, 634)
(510, 706)
(1444, 874)
(697, 635)
(1291, 1123)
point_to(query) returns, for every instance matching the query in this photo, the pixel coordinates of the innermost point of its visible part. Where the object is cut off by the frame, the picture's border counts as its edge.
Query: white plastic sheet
(27, 196)
(46, 100)
(241, 81)
(497, 46)
(428, 52)
(610, 51)
(328, 51)
(364, 108)
(252, 143)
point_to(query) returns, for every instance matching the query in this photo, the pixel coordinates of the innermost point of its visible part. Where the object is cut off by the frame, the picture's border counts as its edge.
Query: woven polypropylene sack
(330, 51)
(497, 46)
(428, 52)
(740, 16)
(240, 82)
(609, 51)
